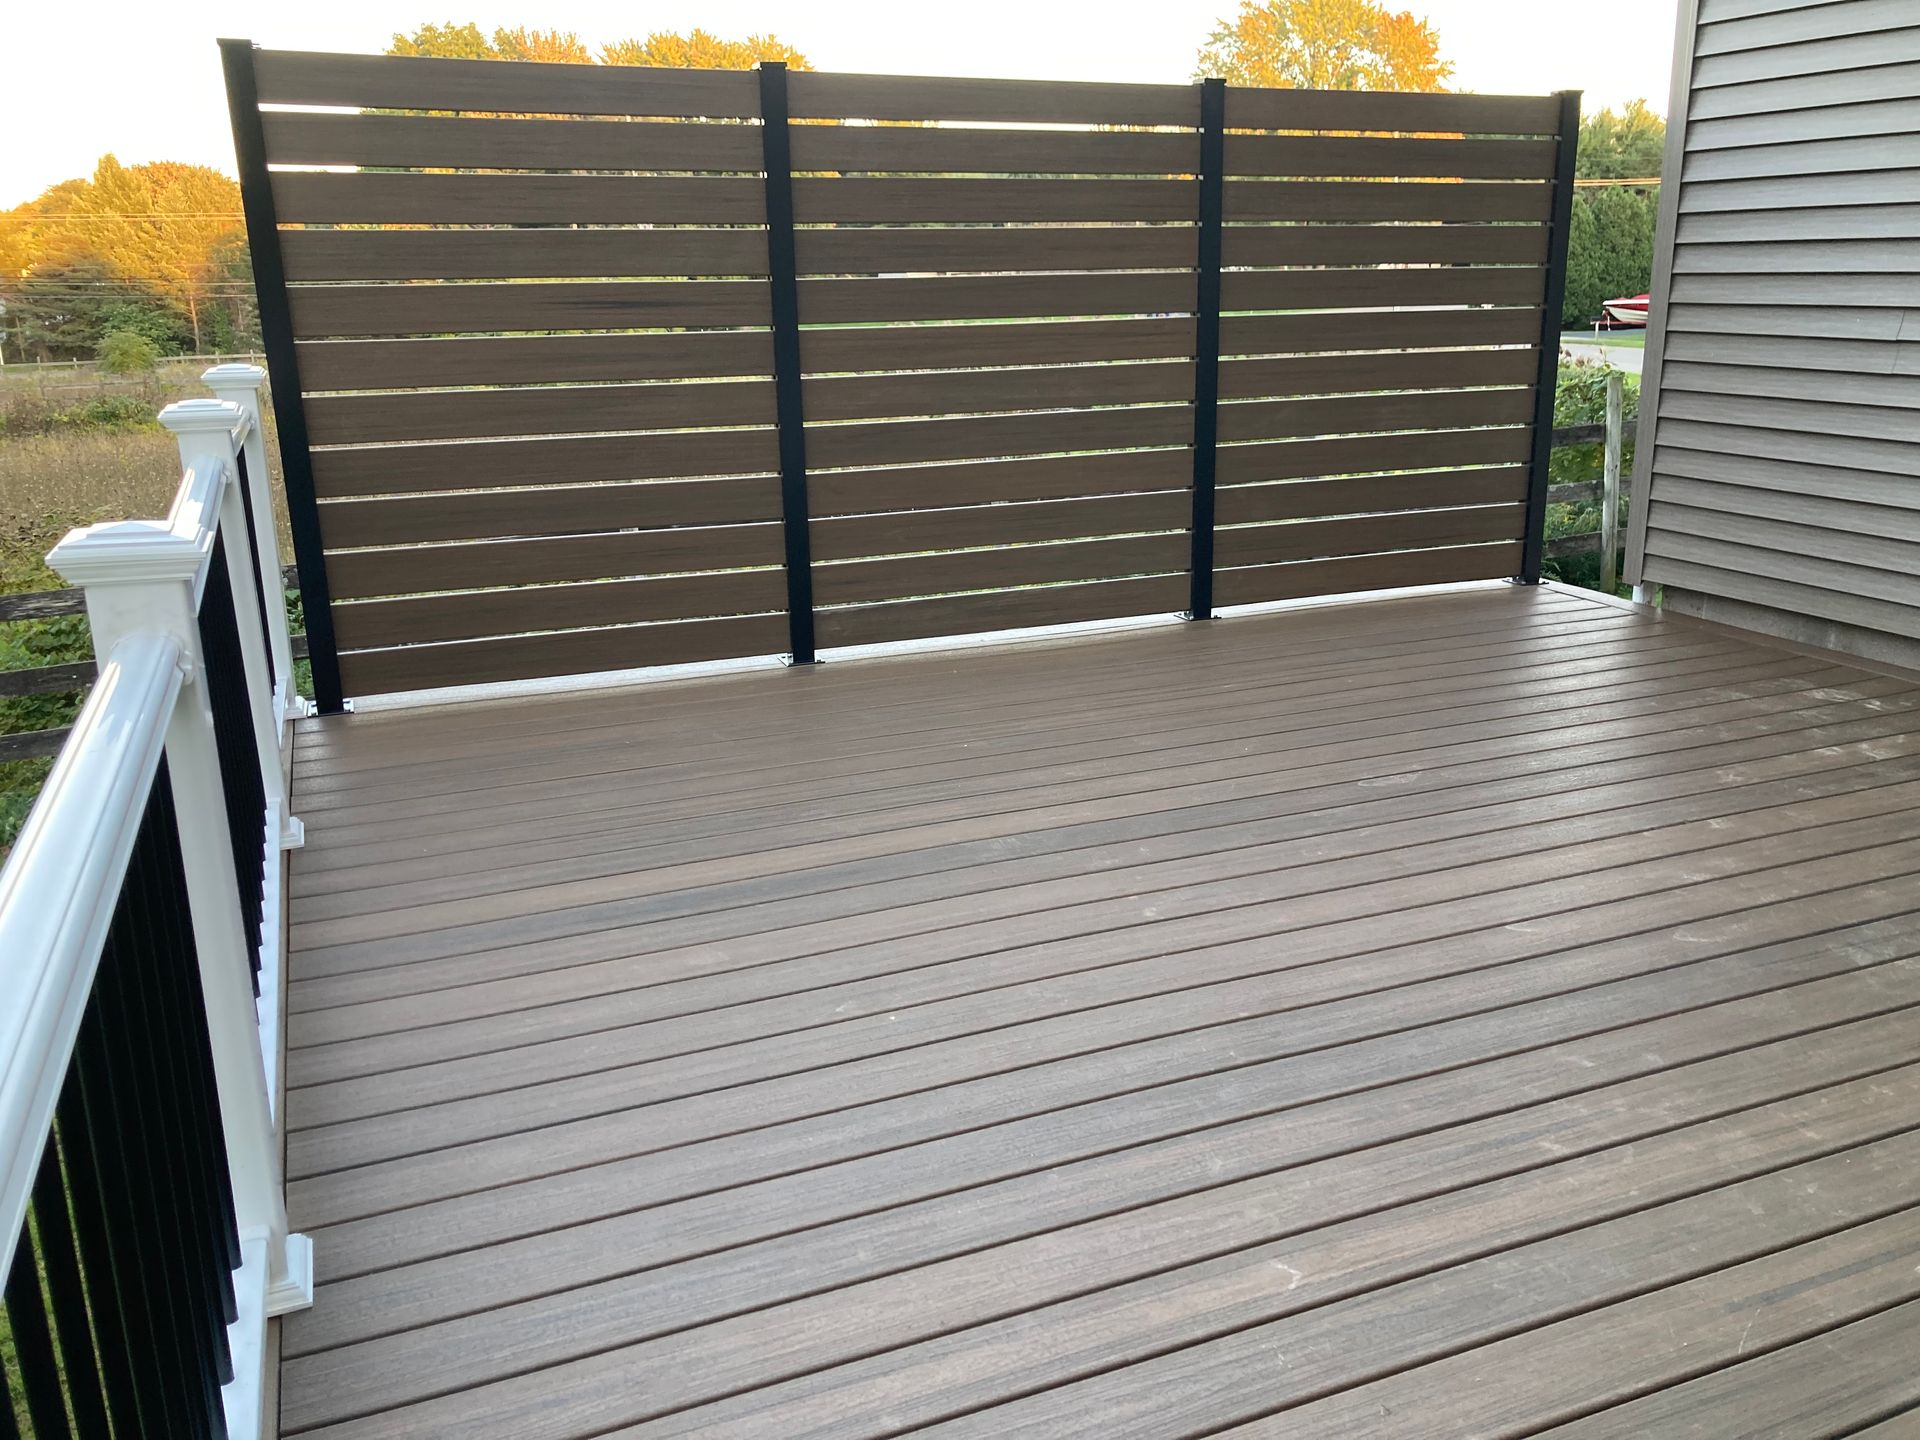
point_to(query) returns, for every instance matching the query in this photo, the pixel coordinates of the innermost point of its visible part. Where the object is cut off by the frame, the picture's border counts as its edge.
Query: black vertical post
(283, 372)
(1534, 548)
(1206, 342)
(784, 287)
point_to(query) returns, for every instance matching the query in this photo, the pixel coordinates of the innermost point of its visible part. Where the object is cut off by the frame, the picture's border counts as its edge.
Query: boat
(1629, 312)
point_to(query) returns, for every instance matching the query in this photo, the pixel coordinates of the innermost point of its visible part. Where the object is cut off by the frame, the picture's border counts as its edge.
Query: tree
(1325, 45)
(156, 233)
(1628, 144)
(695, 50)
(1610, 243)
(698, 50)
(127, 352)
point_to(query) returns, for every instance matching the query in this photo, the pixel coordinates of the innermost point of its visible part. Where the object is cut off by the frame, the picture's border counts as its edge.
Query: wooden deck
(1474, 1014)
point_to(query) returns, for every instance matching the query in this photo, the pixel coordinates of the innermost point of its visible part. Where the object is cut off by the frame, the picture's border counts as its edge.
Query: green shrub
(1580, 398)
(126, 352)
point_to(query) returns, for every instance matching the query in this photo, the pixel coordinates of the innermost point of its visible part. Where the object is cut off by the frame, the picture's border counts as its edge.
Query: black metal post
(784, 287)
(283, 370)
(1206, 343)
(1534, 548)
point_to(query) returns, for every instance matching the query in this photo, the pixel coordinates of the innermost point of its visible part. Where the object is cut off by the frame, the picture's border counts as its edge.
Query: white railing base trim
(293, 833)
(294, 1291)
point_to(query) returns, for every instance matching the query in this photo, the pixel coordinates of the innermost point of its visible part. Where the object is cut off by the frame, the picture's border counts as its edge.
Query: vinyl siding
(1782, 388)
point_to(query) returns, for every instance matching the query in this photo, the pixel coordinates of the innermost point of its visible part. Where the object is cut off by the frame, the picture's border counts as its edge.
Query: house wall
(1781, 487)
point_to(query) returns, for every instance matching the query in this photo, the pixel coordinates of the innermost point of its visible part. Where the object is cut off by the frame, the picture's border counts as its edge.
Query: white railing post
(240, 385)
(146, 576)
(205, 431)
(205, 427)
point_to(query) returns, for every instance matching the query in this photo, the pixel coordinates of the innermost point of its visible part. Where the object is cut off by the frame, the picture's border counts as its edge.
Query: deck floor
(1484, 1013)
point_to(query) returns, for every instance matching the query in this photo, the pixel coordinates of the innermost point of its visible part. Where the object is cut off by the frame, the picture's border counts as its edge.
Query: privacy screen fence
(583, 368)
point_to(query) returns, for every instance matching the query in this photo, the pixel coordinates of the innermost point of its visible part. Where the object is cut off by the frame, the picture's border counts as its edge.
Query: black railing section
(253, 550)
(121, 1287)
(233, 738)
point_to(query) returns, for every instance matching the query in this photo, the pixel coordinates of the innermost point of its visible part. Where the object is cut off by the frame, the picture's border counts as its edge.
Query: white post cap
(193, 417)
(235, 376)
(124, 552)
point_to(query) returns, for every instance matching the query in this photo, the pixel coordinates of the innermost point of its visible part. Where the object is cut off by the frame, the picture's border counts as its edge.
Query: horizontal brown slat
(927, 150)
(1302, 578)
(1421, 490)
(459, 143)
(1238, 545)
(1412, 370)
(992, 297)
(1001, 610)
(371, 198)
(868, 397)
(1256, 584)
(1355, 414)
(986, 482)
(364, 574)
(475, 465)
(856, 200)
(1365, 454)
(1285, 334)
(47, 679)
(26, 744)
(555, 510)
(930, 347)
(43, 604)
(1388, 285)
(365, 624)
(917, 97)
(573, 652)
(1384, 244)
(857, 537)
(859, 581)
(899, 442)
(1348, 155)
(458, 414)
(381, 82)
(519, 254)
(1267, 109)
(1582, 542)
(849, 250)
(531, 359)
(359, 310)
(1466, 200)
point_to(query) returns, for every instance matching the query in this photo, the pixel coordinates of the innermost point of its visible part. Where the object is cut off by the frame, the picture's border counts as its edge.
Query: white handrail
(58, 892)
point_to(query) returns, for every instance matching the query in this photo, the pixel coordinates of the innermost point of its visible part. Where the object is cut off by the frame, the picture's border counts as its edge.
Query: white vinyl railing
(160, 836)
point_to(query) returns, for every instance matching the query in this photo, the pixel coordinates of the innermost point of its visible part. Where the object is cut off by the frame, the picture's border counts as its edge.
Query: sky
(146, 84)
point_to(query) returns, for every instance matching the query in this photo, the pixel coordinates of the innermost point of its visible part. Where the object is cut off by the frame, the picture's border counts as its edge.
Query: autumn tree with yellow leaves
(696, 50)
(1325, 45)
(158, 249)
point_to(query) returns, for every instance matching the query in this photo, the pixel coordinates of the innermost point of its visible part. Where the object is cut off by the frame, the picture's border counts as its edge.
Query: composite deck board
(1500, 1003)
(933, 1001)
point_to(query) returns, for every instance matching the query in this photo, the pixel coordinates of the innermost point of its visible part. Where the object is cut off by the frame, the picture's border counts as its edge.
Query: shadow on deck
(1462, 1014)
